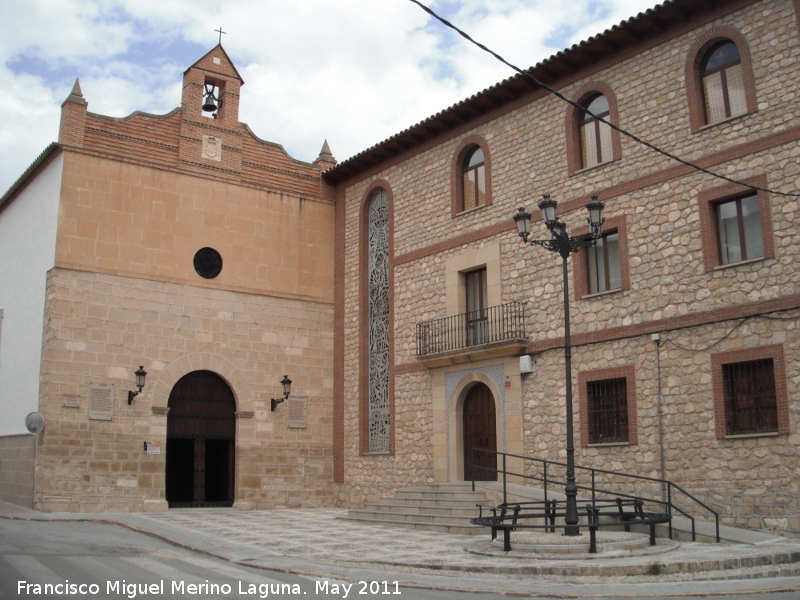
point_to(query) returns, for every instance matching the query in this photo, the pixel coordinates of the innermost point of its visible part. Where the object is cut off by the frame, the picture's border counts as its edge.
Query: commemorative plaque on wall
(71, 400)
(101, 402)
(297, 412)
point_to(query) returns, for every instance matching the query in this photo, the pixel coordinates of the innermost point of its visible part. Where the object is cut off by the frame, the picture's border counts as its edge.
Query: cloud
(351, 71)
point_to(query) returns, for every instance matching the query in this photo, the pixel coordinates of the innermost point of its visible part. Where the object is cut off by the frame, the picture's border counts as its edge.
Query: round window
(207, 263)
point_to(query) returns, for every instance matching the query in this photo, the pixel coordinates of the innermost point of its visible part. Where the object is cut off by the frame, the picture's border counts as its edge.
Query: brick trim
(707, 317)
(628, 372)
(363, 330)
(580, 263)
(707, 202)
(640, 183)
(775, 352)
(797, 13)
(694, 87)
(339, 241)
(573, 129)
(698, 319)
(456, 179)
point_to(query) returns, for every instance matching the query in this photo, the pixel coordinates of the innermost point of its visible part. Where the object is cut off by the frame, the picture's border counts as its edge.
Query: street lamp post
(563, 244)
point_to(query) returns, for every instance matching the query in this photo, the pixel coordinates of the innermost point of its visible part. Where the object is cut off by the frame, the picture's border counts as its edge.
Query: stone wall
(99, 328)
(672, 288)
(16, 469)
(750, 480)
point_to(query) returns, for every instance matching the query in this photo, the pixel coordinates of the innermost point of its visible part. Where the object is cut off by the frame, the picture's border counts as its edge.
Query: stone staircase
(445, 507)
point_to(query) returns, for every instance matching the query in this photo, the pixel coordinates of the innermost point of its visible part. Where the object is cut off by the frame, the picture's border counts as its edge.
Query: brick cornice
(279, 170)
(124, 136)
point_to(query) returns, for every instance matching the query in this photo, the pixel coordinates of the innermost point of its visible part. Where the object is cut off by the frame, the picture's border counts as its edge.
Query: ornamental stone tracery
(378, 323)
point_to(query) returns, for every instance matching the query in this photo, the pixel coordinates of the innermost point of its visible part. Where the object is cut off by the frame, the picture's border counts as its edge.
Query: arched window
(474, 179)
(379, 433)
(596, 144)
(470, 175)
(723, 82)
(719, 78)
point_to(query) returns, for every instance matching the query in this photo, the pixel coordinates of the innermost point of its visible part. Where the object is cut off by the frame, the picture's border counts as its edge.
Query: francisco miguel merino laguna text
(263, 590)
(132, 590)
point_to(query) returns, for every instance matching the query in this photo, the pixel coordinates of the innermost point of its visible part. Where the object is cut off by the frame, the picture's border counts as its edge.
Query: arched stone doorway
(201, 432)
(479, 431)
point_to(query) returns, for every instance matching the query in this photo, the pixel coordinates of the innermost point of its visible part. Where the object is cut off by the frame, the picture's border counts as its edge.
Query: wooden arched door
(201, 432)
(480, 432)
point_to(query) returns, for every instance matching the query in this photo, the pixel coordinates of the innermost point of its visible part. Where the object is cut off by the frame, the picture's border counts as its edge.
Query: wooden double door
(201, 442)
(480, 431)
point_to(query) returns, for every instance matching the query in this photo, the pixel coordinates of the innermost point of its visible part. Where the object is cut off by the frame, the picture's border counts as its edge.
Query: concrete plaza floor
(318, 542)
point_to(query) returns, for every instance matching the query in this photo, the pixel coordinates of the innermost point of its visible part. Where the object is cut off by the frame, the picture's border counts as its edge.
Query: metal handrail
(485, 326)
(594, 489)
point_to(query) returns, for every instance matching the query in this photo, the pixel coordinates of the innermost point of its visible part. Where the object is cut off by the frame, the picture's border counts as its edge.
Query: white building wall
(27, 244)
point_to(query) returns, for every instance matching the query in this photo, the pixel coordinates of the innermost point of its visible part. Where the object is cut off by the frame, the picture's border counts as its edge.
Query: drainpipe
(657, 339)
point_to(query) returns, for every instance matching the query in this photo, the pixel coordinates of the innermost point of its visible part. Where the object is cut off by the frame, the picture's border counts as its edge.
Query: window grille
(608, 410)
(378, 323)
(749, 395)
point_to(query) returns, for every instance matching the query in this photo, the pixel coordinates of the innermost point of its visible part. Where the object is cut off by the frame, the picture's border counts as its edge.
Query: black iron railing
(603, 486)
(485, 326)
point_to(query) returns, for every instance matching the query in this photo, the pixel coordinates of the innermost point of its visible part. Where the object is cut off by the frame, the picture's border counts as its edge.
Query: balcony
(487, 333)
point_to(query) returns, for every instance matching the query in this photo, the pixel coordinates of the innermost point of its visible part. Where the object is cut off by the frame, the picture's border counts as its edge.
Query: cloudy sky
(351, 71)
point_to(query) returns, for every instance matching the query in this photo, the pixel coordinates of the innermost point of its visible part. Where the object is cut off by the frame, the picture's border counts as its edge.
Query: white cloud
(352, 71)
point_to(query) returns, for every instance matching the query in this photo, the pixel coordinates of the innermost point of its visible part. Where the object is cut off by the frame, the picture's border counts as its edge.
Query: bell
(210, 103)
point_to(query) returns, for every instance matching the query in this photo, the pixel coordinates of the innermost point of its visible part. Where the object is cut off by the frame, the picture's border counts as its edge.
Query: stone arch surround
(458, 385)
(242, 392)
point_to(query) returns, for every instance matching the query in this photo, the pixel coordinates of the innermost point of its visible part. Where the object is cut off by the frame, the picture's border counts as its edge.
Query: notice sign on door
(101, 402)
(297, 412)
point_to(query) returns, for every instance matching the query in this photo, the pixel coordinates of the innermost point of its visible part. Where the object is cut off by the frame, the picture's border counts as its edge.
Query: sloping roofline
(668, 15)
(47, 154)
(233, 66)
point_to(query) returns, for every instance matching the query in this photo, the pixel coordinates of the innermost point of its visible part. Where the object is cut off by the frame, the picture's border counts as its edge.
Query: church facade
(395, 293)
(184, 244)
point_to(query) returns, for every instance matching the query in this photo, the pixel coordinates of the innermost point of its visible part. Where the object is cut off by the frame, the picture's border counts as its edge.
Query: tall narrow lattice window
(378, 323)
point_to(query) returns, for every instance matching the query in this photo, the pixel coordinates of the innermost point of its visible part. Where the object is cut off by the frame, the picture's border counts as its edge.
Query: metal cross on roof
(220, 33)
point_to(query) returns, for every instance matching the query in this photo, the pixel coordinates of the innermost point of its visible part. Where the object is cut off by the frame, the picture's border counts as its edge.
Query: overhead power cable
(609, 123)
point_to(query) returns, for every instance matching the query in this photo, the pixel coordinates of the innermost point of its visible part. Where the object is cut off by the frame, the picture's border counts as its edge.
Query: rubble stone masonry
(698, 308)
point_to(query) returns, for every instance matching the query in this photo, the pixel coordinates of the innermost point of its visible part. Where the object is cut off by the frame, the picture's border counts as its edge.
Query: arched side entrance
(201, 435)
(479, 431)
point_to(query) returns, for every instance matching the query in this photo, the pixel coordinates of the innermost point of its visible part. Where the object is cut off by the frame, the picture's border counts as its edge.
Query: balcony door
(477, 305)
(480, 433)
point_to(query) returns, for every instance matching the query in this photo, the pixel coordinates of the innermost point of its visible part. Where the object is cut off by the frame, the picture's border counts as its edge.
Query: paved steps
(443, 507)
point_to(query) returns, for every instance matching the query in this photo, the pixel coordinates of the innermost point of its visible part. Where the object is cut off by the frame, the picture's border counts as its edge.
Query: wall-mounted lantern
(141, 374)
(287, 387)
